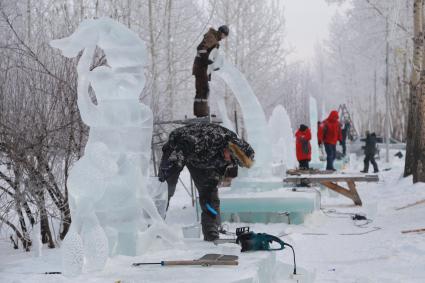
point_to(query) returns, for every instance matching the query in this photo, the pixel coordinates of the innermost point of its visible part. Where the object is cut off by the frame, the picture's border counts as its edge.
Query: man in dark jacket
(369, 151)
(206, 150)
(329, 133)
(200, 67)
(345, 132)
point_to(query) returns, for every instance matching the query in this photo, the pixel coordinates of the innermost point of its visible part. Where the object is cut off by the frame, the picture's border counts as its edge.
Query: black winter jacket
(370, 146)
(200, 145)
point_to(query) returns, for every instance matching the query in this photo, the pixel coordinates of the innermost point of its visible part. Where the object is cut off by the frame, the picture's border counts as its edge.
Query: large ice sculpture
(314, 118)
(282, 137)
(253, 114)
(222, 108)
(110, 204)
(267, 200)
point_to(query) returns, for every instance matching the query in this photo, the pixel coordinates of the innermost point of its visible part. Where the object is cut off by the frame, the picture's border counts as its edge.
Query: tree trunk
(419, 170)
(410, 162)
(24, 241)
(154, 71)
(46, 235)
(170, 59)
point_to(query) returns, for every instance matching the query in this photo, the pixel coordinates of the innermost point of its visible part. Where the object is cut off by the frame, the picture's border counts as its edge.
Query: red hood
(333, 117)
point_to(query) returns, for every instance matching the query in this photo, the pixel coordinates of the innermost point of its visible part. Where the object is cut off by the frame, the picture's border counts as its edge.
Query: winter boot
(211, 235)
(366, 168)
(200, 107)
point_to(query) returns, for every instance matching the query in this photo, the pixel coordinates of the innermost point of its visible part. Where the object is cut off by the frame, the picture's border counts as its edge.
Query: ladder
(344, 115)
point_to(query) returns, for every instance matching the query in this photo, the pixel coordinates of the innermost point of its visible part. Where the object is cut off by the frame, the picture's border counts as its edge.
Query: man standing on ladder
(200, 67)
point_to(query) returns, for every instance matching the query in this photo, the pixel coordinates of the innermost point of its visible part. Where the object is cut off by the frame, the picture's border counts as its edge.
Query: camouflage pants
(206, 182)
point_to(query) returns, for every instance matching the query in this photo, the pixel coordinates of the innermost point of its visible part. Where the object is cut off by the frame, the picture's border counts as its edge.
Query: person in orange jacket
(303, 146)
(329, 133)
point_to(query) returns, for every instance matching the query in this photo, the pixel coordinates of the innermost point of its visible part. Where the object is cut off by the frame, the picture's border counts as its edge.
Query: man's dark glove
(210, 62)
(216, 69)
(209, 77)
(161, 176)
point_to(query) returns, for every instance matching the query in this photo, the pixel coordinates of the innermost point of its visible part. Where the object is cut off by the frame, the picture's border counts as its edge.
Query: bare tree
(412, 127)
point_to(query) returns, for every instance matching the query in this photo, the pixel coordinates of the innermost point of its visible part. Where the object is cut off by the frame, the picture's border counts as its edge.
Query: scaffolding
(345, 116)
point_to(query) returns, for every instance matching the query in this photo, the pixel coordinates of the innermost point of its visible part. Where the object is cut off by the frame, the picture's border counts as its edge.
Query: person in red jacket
(329, 134)
(303, 146)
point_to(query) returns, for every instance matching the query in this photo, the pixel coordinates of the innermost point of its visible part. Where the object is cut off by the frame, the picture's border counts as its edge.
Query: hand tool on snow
(422, 230)
(206, 260)
(411, 204)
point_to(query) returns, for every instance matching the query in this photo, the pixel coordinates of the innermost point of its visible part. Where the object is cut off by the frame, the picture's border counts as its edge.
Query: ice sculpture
(282, 137)
(110, 204)
(267, 201)
(221, 103)
(313, 126)
(253, 114)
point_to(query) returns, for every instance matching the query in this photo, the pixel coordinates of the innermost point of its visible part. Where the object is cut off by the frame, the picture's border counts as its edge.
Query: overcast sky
(306, 23)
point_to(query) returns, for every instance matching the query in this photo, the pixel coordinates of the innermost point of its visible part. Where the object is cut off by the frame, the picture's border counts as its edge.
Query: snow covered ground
(329, 243)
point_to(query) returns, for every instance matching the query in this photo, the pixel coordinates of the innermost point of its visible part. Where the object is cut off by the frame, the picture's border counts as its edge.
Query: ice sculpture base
(248, 184)
(277, 206)
(253, 267)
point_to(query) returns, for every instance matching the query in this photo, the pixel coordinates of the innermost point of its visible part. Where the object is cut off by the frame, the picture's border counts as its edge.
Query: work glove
(161, 176)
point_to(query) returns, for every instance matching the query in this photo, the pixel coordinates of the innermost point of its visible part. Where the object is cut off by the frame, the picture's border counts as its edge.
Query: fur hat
(240, 155)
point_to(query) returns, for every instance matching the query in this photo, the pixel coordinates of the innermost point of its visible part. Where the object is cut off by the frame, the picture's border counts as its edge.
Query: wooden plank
(411, 204)
(349, 193)
(322, 178)
(354, 193)
(413, 231)
(299, 172)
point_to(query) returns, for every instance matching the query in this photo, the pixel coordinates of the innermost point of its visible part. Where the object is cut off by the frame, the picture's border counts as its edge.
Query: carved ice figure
(253, 115)
(110, 204)
(282, 137)
(314, 118)
(222, 108)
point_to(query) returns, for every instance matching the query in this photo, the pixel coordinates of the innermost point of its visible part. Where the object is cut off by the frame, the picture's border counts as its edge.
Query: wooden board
(331, 182)
(331, 178)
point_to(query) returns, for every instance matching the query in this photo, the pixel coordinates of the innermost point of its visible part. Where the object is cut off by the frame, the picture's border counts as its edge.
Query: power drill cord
(293, 252)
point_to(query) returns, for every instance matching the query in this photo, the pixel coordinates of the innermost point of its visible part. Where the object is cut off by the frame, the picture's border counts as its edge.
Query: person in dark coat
(200, 67)
(207, 150)
(303, 146)
(329, 133)
(370, 151)
(345, 132)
